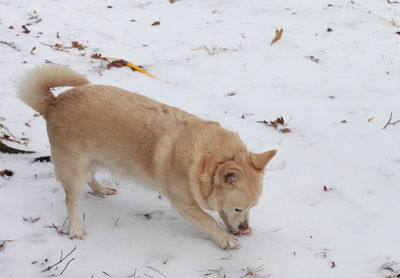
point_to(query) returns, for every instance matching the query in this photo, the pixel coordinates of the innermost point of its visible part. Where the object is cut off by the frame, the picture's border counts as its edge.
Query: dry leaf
(398, 33)
(76, 44)
(26, 30)
(172, 1)
(33, 49)
(285, 130)
(312, 58)
(11, 27)
(58, 35)
(329, 29)
(28, 125)
(333, 264)
(344, 121)
(325, 188)
(6, 172)
(156, 23)
(371, 119)
(278, 35)
(117, 63)
(96, 56)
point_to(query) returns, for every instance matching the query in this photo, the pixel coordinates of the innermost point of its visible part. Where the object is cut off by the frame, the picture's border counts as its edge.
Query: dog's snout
(244, 226)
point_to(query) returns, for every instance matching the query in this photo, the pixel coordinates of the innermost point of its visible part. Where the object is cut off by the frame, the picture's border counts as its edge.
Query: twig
(66, 266)
(106, 273)
(116, 222)
(60, 261)
(57, 48)
(389, 123)
(156, 271)
(252, 271)
(11, 44)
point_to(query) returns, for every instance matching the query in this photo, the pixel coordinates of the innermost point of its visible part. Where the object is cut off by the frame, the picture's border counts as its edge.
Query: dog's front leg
(194, 214)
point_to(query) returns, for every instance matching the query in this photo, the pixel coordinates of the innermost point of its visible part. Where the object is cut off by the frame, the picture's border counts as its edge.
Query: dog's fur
(197, 164)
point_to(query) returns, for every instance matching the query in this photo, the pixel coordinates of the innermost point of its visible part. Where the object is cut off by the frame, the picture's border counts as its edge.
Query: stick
(157, 271)
(60, 261)
(11, 44)
(389, 123)
(66, 266)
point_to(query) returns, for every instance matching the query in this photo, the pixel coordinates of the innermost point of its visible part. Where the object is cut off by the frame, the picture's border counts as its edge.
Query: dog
(196, 164)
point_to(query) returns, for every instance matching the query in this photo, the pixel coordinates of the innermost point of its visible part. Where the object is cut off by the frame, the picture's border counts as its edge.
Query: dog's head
(236, 186)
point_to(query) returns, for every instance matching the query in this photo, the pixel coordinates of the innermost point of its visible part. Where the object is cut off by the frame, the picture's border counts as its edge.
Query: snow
(299, 228)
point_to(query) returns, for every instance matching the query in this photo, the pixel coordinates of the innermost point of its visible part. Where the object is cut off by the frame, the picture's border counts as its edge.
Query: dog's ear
(231, 175)
(260, 160)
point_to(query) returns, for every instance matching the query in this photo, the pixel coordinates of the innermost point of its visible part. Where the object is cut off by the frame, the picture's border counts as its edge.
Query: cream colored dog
(197, 164)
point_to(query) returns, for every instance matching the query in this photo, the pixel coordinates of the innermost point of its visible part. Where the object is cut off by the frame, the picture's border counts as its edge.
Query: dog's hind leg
(98, 189)
(73, 175)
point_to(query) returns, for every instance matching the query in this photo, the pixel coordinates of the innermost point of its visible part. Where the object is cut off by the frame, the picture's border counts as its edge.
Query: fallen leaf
(312, 58)
(2, 245)
(33, 49)
(172, 1)
(26, 30)
(333, 264)
(96, 56)
(344, 121)
(58, 35)
(117, 63)
(109, 7)
(11, 27)
(76, 44)
(58, 45)
(34, 262)
(325, 188)
(278, 35)
(329, 29)
(28, 125)
(6, 172)
(398, 33)
(156, 23)
(371, 119)
(285, 130)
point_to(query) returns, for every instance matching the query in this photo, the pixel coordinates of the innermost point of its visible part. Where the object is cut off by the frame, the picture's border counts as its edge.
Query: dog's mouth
(249, 231)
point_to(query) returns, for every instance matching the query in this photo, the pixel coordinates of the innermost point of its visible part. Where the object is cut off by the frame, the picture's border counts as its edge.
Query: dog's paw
(106, 191)
(228, 241)
(77, 234)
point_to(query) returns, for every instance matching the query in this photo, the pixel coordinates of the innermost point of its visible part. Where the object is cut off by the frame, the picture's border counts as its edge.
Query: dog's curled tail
(34, 88)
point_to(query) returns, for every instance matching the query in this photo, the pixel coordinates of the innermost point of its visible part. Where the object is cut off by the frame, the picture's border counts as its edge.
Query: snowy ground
(213, 58)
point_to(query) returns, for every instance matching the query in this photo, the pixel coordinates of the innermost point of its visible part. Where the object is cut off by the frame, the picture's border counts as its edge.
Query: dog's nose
(244, 226)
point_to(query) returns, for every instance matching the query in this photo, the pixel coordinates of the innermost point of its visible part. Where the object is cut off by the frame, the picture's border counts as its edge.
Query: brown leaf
(6, 172)
(333, 264)
(28, 125)
(312, 58)
(398, 33)
(2, 245)
(344, 121)
(285, 130)
(34, 262)
(58, 35)
(325, 188)
(33, 49)
(96, 56)
(156, 23)
(11, 27)
(58, 45)
(76, 44)
(278, 35)
(329, 29)
(117, 63)
(280, 120)
(26, 30)
(172, 1)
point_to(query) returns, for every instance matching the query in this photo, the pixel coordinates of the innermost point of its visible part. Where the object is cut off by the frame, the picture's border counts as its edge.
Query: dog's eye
(238, 210)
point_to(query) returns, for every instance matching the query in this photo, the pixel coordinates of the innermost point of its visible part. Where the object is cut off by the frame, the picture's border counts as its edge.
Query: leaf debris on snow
(276, 123)
(6, 173)
(252, 271)
(278, 35)
(312, 58)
